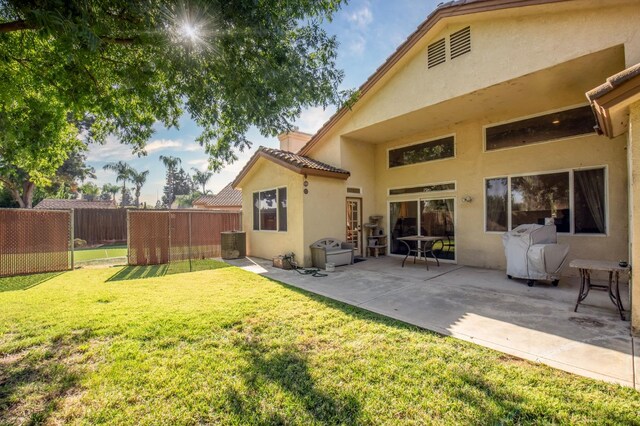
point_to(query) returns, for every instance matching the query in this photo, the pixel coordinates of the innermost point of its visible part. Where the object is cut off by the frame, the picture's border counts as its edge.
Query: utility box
(233, 245)
(282, 262)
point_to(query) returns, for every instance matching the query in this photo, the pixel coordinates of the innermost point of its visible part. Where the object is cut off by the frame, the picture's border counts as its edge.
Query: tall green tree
(123, 174)
(138, 179)
(102, 67)
(201, 178)
(90, 191)
(109, 191)
(178, 181)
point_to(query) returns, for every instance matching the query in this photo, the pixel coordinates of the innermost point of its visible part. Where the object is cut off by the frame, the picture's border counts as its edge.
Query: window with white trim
(436, 149)
(270, 210)
(575, 199)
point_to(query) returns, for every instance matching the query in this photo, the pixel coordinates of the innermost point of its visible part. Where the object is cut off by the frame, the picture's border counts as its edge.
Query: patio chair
(331, 250)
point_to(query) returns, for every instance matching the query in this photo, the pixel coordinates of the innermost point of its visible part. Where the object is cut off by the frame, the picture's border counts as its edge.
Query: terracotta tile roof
(53, 203)
(297, 163)
(614, 81)
(227, 197)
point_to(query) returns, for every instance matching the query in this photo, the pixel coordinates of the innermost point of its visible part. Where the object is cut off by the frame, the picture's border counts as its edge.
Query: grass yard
(226, 346)
(104, 252)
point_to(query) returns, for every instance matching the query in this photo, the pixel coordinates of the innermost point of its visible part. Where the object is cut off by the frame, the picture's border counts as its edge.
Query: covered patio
(484, 307)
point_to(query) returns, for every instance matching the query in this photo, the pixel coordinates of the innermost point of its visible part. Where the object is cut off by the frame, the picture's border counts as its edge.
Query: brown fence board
(97, 226)
(157, 237)
(34, 241)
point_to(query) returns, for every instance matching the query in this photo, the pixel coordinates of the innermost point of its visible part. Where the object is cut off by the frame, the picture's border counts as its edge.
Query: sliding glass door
(437, 219)
(427, 217)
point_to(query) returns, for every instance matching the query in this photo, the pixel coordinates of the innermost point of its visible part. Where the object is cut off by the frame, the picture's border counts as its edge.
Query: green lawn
(105, 252)
(226, 346)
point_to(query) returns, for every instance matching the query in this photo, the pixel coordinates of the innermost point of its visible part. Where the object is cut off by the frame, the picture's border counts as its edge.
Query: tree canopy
(119, 67)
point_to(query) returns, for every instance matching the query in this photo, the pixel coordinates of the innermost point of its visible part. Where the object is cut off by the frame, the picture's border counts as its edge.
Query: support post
(72, 236)
(190, 268)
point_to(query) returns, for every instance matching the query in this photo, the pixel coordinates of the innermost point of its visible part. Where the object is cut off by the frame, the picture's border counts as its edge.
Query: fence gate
(35, 241)
(157, 237)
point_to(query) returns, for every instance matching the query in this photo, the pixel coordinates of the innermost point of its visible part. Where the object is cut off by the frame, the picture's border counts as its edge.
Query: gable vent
(460, 42)
(436, 54)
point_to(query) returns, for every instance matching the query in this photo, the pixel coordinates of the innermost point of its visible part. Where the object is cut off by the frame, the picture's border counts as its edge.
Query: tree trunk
(124, 192)
(138, 197)
(24, 199)
(27, 194)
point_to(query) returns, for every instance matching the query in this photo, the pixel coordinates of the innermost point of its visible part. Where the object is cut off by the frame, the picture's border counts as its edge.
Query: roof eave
(607, 101)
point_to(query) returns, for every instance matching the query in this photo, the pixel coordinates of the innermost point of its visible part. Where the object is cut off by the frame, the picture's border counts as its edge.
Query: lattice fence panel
(34, 241)
(169, 236)
(148, 237)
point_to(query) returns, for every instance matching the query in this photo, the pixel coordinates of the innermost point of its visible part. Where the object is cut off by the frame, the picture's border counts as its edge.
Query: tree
(90, 191)
(27, 156)
(138, 179)
(123, 174)
(98, 67)
(109, 191)
(201, 178)
(171, 163)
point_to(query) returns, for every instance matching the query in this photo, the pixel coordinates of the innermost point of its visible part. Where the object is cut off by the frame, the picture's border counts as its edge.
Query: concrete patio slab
(484, 307)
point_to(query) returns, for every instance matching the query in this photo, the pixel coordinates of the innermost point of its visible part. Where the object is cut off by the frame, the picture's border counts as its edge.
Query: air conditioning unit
(233, 245)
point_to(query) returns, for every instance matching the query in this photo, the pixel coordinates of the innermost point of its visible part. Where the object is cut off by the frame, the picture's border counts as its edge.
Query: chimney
(293, 141)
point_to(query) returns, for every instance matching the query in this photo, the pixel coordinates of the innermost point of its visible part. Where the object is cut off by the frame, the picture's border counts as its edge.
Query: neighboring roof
(54, 203)
(227, 197)
(297, 163)
(444, 10)
(611, 99)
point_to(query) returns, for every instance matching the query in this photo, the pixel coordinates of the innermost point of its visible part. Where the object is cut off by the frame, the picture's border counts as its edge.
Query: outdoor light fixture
(467, 198)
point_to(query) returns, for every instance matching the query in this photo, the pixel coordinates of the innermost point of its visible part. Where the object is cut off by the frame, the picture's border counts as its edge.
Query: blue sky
(367, 32)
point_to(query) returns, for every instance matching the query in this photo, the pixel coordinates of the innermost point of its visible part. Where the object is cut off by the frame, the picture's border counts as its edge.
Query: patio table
(585, 267)
(426, 246)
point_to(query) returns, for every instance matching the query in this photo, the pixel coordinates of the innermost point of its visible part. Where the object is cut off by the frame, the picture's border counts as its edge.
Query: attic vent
(436, 54)
(460, 42)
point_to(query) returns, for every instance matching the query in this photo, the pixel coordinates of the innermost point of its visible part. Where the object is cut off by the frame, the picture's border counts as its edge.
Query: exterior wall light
(467, 198)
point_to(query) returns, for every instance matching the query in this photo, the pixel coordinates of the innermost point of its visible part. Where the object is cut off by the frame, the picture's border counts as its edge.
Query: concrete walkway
(484, 307)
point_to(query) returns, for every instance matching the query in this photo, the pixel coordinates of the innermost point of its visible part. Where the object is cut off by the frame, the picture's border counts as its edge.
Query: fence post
(72, 237)
(128, 240)
(190, 267)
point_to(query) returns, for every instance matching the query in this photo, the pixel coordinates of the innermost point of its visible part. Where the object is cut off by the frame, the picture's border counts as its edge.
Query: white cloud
(357, 45)
(313, 118)
(111, 150)
(199, 163)
(163, 144)
(362, 17)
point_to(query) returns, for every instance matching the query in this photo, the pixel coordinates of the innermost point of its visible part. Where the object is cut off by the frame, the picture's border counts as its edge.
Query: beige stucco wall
(324, 211)
(505, 45)
(634, 193)
(471, 166)
(266, 244)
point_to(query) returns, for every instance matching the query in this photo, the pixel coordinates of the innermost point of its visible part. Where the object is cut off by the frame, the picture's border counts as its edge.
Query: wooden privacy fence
(34, 241)
(100, 225)
(157, 237)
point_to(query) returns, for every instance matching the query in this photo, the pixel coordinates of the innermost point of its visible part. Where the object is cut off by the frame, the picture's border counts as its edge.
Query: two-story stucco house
(477, 123)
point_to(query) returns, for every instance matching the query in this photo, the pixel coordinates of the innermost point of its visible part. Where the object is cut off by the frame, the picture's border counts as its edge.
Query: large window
(557, 125)
(425, 151)
(516, 200)
(270, 210)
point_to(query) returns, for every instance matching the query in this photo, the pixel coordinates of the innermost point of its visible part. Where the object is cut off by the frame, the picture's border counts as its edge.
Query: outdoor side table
(585, 267)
